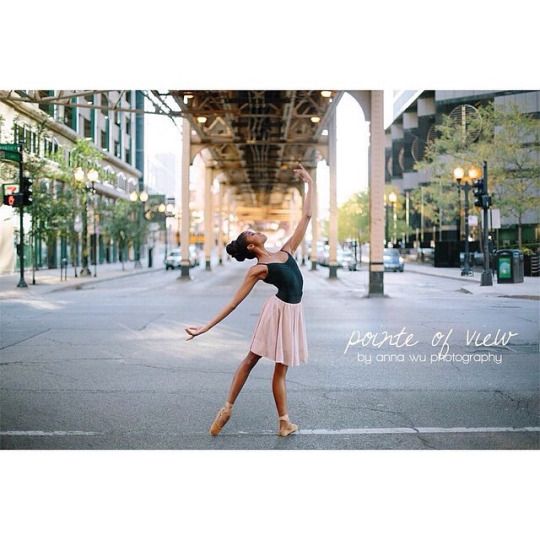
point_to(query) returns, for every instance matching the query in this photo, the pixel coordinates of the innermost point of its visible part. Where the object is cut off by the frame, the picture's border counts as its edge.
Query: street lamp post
(487, 277)
(458, 221)
(141, 196)
(169, 213)
(81, 176)
(473, 174)
(393, 199)
(93, 190)
(385, 221)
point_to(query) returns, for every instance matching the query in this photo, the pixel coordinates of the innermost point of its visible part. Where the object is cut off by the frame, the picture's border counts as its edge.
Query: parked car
(426, 254)
(174, 258)
(345, 259)
(393, 260)
(323, 254)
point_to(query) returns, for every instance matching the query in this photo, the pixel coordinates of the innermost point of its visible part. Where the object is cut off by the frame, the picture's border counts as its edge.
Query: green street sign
(9, 147)
(8, 155)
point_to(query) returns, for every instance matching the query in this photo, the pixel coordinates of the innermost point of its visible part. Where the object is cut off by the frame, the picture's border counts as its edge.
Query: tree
(353, 218)
(514, 163)
(436, 201)
(46, 207)
(504, 137)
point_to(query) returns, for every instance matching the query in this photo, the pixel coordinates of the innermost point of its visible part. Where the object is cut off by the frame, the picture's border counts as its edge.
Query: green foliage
(59, 199)
(122, 222)
(507, 139)
(353, 218)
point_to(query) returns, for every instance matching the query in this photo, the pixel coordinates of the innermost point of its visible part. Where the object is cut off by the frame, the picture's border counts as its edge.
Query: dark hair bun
(233, 249)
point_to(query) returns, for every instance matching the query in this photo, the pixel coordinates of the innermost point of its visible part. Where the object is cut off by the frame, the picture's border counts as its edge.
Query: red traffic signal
(13, 199)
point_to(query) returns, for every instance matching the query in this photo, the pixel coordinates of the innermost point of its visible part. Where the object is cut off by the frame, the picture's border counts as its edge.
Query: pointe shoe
(286, 428)
(221, 419)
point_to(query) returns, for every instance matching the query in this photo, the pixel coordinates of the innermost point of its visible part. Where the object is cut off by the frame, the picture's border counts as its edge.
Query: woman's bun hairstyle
(237, 249)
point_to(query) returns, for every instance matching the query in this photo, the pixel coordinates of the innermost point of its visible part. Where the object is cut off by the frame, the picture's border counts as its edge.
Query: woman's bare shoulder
(286, 247)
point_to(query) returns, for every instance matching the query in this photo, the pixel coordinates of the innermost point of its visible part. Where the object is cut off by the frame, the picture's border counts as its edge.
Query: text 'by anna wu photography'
(475, 347)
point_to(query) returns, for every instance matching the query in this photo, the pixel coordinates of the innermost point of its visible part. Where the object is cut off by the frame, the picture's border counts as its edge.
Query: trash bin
(509, 266)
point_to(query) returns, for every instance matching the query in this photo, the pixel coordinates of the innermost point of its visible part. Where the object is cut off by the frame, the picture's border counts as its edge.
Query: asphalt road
(108, 367)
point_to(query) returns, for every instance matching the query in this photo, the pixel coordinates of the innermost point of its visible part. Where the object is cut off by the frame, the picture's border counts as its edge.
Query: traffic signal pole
(486, 277)
(21, 283)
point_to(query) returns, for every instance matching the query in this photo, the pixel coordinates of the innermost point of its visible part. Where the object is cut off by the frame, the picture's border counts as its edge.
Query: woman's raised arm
(294, 241)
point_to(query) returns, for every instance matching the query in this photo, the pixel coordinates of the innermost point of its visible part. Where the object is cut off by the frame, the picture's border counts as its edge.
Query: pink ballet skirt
(280, 333)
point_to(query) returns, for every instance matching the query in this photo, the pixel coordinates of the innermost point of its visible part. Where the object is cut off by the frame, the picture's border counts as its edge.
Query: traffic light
(26, 190)
(479, 193)
(482, 199)
(13, 199)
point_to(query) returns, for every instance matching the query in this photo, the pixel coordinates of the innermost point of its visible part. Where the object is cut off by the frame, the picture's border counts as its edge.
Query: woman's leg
(279, 390)
(241, 374)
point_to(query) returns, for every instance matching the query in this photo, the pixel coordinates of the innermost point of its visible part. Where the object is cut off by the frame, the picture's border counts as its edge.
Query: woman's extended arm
(294, 241)
(252, 276)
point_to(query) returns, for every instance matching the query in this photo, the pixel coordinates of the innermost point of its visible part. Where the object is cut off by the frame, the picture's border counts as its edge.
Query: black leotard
(286, 276)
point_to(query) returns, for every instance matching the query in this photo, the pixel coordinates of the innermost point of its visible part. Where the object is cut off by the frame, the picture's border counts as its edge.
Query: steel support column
(186, 217)
(229, 192)
(208, 221)
(332, 226)
(220, 223)
(376, 194)
(314, 218)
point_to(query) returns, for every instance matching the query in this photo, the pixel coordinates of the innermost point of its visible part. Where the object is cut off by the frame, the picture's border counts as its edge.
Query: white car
(174, 258)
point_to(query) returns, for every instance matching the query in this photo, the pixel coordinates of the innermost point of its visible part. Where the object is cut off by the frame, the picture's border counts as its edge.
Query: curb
(470, 280)
(101, 280)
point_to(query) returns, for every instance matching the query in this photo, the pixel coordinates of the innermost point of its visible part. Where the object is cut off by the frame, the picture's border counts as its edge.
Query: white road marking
(47, 433)
(346, 431)
(384, 431)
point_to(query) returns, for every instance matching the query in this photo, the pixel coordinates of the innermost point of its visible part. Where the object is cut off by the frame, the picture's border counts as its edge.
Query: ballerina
(280, 332)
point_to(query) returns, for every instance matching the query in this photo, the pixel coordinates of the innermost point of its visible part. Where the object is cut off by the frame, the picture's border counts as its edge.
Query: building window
(117, 149)
(27, 139)
(47, 147)
(117, 118)
(68, 116)
(50, 147)
(18, 134)
(104, 140)
(128, 125)
(45, 107)
(87, 128)
(128, 155)
(128, 97)
(104, 104)
(34, 146)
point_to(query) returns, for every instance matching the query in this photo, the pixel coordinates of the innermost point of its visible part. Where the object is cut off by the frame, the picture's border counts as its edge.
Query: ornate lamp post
(385, 221)
(473, 174)
(392, 197)
(169, 213)
(141, 196)
(91, 176)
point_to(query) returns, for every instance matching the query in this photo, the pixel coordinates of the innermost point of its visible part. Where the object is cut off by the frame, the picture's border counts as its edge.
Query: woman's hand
(302, 174)
(194, 331)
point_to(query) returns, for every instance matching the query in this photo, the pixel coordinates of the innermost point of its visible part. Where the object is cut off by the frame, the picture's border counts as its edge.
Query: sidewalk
(48, 280)
(529, 289)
